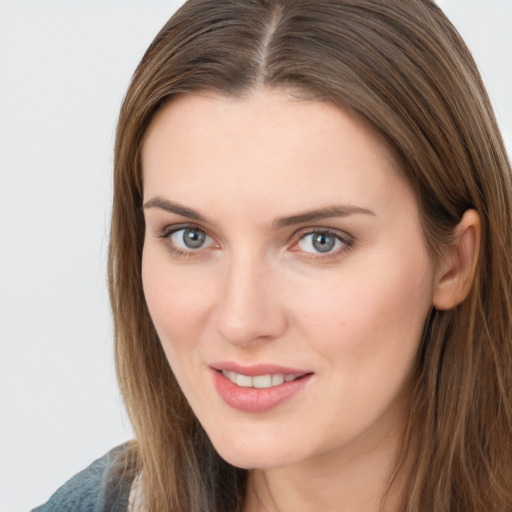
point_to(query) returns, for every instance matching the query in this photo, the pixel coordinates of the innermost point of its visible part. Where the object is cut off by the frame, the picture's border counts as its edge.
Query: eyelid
(165, 235)
(172, 228)
(338, 233)
(347, 240)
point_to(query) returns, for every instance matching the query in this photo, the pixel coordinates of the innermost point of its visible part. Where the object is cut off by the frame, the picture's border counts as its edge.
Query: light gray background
(64, 67)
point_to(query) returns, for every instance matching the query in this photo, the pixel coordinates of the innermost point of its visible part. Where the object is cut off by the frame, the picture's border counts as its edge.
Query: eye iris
(323, 242)
(193, 238)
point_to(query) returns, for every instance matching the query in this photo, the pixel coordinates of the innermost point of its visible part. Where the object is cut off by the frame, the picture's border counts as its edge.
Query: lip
(256, 400)
(258, 369)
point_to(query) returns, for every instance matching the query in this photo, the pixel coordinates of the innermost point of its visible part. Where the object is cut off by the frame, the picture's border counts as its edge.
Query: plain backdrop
(64, 67)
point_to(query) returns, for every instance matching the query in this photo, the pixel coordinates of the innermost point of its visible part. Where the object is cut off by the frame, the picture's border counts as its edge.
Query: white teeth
(277, 379)
(244, 380)
(260, 381)
(230, 375)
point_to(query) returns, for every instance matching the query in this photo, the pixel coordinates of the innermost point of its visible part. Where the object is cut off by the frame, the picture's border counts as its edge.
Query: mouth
(260, 381)
(257, 388)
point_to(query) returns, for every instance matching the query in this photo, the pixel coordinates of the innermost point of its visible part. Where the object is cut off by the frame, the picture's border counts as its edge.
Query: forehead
(212, 146)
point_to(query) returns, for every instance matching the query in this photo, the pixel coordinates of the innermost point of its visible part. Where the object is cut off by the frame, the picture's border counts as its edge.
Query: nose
(248, 308)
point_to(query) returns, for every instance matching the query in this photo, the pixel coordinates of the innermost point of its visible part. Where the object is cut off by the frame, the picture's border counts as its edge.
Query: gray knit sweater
(101, 487)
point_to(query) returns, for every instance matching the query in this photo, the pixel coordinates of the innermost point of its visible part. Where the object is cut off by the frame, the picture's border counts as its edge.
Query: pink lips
(255, 400)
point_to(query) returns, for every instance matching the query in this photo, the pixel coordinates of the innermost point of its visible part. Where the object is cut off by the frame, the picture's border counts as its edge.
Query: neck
(349, 480)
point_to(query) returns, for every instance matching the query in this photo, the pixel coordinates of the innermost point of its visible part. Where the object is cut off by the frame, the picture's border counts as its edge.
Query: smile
(267, 386)
(259, 381)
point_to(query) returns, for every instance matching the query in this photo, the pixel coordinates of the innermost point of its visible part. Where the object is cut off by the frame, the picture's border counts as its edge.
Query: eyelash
(166, 234)
(346, 240)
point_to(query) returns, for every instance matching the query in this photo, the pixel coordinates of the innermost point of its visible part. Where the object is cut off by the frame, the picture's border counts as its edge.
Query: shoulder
(104, 486)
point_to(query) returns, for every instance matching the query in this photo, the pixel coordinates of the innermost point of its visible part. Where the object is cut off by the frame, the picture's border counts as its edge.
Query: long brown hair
(400, 67)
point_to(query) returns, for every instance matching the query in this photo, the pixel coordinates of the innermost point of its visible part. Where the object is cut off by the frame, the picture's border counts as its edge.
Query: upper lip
(258, 369)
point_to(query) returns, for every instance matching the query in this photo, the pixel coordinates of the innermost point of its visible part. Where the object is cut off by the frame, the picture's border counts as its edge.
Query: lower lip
(256, 399)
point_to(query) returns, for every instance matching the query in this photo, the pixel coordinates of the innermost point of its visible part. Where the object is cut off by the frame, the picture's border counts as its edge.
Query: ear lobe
(457, 270)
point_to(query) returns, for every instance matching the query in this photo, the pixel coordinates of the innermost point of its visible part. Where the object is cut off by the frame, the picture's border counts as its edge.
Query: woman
(310, 267)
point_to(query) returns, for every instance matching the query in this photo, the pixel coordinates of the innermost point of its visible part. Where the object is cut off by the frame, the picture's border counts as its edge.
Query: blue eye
(321, 242)
(190, 238)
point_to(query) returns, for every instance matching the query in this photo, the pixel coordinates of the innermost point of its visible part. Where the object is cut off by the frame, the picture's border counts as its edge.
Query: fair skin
(235, 275)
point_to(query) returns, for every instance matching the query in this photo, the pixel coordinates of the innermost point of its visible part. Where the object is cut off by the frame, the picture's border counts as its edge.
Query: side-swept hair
(400, 67)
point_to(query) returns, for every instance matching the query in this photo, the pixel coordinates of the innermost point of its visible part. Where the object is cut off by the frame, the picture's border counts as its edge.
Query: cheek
(177, 302)
(371, 311)
(366, 327)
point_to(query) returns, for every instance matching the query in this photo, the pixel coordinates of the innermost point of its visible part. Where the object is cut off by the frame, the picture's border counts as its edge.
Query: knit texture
(104, 486)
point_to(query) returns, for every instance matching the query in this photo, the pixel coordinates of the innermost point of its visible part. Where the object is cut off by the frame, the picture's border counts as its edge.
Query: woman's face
(286, 273)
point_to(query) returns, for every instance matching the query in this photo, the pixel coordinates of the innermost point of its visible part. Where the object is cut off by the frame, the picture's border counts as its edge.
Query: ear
(457, 269)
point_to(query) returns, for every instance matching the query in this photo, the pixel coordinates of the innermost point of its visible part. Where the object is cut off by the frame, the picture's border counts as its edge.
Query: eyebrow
(280, 222)
(321, 213)
(169, 206)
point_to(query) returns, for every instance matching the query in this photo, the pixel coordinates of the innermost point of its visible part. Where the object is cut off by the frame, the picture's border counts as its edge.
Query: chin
(255, 454)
